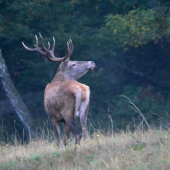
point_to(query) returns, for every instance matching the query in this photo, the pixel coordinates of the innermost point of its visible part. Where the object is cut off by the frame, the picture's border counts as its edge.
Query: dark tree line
(128, 40)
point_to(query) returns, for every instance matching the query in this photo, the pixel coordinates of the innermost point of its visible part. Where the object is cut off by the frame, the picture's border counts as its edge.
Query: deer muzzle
(91, 65)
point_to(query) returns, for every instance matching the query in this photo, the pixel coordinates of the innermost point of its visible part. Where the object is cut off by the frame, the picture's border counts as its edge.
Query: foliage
(138, 27)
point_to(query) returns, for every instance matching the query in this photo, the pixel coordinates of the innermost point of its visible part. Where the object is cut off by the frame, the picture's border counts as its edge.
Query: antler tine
(72, 47)
(48, 46)
(36, 42)
(53, 45)
(27, 48)
(42, 41)
(69, 49)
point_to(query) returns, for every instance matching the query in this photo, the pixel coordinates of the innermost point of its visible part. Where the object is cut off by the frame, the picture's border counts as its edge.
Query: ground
(124, 150)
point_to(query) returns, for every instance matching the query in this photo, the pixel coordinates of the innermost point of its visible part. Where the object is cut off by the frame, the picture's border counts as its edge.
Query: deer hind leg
(56, 129)
(66, 130)
(83, 121)
(70, 122)
(81, 109)
(69, 114)
(74, 129)
(83, 116)
(78, 100)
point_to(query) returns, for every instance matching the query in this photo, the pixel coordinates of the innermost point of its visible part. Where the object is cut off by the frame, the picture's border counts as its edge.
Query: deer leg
(68, 114)
(66, 130)
(74, 129)
(83, 121)
(56, 129)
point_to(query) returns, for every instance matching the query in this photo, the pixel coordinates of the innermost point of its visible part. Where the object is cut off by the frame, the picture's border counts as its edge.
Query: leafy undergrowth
(125, 150)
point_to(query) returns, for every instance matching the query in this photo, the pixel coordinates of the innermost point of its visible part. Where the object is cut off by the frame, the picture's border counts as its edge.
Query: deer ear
(64, 65)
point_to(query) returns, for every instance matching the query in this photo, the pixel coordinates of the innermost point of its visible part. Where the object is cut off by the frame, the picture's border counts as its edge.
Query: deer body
(57, 95)
(63, 102)
(65, 98)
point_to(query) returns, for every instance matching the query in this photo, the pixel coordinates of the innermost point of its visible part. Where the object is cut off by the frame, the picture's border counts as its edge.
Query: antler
(69, 49)
(49, 54)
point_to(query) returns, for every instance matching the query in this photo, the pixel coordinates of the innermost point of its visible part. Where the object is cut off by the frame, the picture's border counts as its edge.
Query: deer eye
(73, 65)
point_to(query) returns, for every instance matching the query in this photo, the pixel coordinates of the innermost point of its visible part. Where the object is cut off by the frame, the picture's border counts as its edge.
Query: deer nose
(92, 63)
(91, 66)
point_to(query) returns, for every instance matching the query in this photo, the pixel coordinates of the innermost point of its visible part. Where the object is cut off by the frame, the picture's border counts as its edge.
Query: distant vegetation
(128, 40)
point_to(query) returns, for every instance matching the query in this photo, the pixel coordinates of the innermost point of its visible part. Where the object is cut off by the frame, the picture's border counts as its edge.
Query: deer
(64, 97)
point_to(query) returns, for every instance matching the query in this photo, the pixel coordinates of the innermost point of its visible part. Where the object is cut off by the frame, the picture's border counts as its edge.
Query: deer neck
(60, 77)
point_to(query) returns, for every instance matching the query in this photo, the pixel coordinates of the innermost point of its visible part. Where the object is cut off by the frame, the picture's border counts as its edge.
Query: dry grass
(131, 151)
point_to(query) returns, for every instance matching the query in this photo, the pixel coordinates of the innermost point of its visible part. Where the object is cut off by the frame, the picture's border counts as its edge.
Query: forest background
(128, 40)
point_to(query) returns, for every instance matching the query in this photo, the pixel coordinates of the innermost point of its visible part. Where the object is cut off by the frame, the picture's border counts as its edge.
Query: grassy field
(124, 150)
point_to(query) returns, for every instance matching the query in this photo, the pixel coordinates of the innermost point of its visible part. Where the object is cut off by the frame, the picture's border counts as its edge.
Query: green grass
(126, 150)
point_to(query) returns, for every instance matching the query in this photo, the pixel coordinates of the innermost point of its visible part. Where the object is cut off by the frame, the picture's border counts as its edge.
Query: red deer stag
(64, 97)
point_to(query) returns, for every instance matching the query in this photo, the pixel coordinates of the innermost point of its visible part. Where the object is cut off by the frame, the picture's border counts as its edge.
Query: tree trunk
(15, 99)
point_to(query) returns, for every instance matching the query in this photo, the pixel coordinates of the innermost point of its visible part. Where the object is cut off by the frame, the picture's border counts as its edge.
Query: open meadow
(124, 150)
